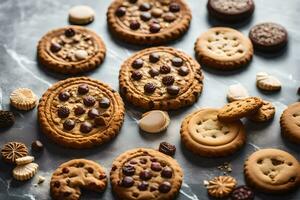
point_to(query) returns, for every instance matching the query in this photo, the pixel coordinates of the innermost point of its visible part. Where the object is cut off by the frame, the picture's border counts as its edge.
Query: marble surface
(23, 23)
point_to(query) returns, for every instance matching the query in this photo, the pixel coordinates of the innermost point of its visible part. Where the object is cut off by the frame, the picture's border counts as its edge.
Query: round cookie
(264, 113)
(145, 174)
(75, 175)
(160, 78)
(12, 151)
(23, 99)
(231, 10)
(290, 123)
(80, 112)
(71, 50)
(268, 37)
(202, 133)
(272, 171)
(81, 14)
(223, 48)
(148, 22)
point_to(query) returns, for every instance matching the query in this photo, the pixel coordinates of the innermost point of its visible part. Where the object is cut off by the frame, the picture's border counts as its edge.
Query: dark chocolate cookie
(268, 37)
(230, 10)
(242, 193)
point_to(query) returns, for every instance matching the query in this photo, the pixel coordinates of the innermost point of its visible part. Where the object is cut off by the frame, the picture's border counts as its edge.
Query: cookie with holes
(272, 171)
(160, 78)
(148, 22)
(223, 48)
(145, 174)
(202, 133)
(70, 178)
(80, 112)
(71, 50)
(290, 123)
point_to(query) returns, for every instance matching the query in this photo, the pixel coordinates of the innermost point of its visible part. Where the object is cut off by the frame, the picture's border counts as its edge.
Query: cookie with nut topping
(161, 78)
(71, 50)
(148, 22)
(80, 112)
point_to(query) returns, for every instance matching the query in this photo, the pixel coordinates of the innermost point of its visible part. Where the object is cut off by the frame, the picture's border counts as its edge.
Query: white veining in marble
(187, 192)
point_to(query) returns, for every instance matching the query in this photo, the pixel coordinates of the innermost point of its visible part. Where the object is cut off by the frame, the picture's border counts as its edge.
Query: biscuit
(154, 121)
(264, 113)
(7, 119)
(24, 160)
(81, 14)
(221, 186)
(12, 151)
(236, 92)
(203, 134)
(25, 172)
(23, 99)
(223, 48)
(267, 82)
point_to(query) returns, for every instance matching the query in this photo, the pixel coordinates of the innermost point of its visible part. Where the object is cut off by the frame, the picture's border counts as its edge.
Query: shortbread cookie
(145, 174)
(149, 22)
(25, 172)
(237, 92)
(221, 186)
(12, 151)
(154, 121)
(202, 133)
(230, 10)
(7, 119)
(223, 48)
(71, 50)
(290, 123)
(160, 78)
(264, 113)
(81, 112)
(239, 109)
(272, 171)
(24, 160)
(81, 14)
(71, 177)
(23, 99)
(267, 82)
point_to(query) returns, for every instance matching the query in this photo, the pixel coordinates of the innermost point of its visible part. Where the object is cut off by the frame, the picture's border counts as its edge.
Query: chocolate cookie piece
(91, 115)
(71, 50)
(145, 174)
(148, 22)
(242, 193)
(167, 148)
(268, 37)
(231, 10)
(7, 119)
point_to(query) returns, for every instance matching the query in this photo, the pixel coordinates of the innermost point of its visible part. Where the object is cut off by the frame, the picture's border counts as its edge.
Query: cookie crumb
(225, 168)
(205, 183)
(41, 179)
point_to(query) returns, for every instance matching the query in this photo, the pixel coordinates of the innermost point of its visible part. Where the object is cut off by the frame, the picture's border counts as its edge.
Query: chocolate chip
(177, 62)
(138, 63)
(128, 170)
(173, 90)
(132, 1)
(155, 166)
(69, 124)
(153, 72)
(56, 184)
(100, 121)
(164, 69)
(93, 113)
(90, 170)
(242, 193)
(65, 170)
(143, 186)
(64, 96)
(70, 32)
(66, 194)
(154, 57)
(127, 181)
(156, 12)
(145, 6)
(165, 187)
(104, 103)
(86, 127)
(153, 159)
(63, 112)
(149, 87)
(145, 175)
(167, 148)
(168, 80)
(167, 172)
(121, 11)
(83, 89)
(143, 160)
(174, 7)
(136, 75)
(183, 71)
(145, 16)
(89, 101)
(134, 25)
(154, 28)
(169, 17)
(37, 146)
(79, 110)
(55, 47)
(153, 188)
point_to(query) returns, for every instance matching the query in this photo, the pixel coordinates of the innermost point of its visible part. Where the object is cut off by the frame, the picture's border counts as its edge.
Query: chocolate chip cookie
(160, 78)
(145, 174)
(148, 22)
(71, 50)
(80, 112)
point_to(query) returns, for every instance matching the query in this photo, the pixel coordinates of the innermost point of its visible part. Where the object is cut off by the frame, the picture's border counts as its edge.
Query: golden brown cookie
(221, 186)
(145, 174)
(71, 50)
(75, 175)
(223, 48)
(81, 112)
(161, 78)
(149, 22)
(23, 99)
(13, 150)
(202, 133)
(272, 171)
(264, 113)
(239, 109)
(290, 123)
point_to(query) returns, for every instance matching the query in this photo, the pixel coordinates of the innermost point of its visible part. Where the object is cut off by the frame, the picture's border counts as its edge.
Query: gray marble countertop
(24, 22)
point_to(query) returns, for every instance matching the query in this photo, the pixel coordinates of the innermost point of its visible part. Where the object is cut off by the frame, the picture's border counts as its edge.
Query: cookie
(7, 119)
(221, 186)
(148, 22)
(242, 193)
(237, 92)
(145, 174)
(12, 151)
(24, 160)
(239, 109)
(80, 112)
(167, 148)
(81, 14)
(37, 146)
(290, 123)
(70, 178)
(23, 99)
(268, 37)
(154, 121)
(71, 50)
(25, 172)
(264, 113)
(272, 171)
(160, 78)
(267, 82)
(203, 134)
(223, 48)
(231, 10)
